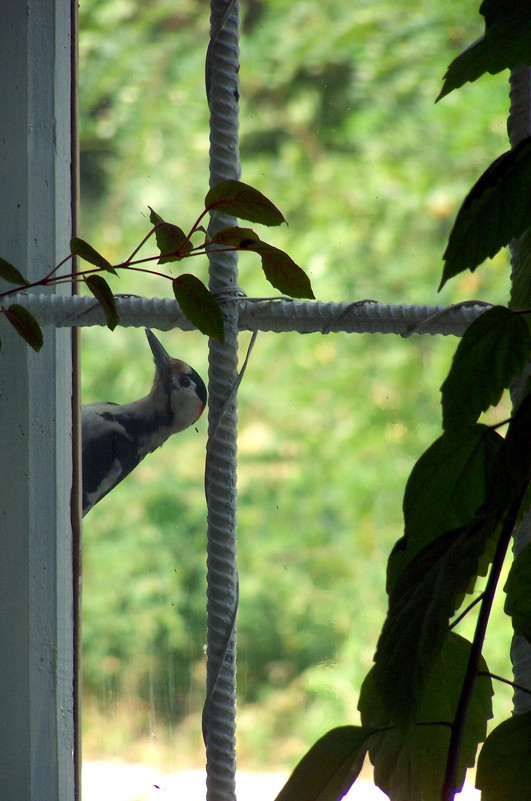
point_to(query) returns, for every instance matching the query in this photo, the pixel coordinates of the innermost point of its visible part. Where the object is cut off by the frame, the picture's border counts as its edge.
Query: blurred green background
(339, 128)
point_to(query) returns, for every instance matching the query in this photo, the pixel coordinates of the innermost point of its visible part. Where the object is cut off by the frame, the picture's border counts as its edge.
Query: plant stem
(458, 727)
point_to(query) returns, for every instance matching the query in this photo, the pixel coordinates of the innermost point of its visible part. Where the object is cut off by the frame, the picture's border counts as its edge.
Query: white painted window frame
(37, 708)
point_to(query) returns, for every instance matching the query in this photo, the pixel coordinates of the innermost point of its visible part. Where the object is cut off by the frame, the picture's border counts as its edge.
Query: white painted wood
(36, 586)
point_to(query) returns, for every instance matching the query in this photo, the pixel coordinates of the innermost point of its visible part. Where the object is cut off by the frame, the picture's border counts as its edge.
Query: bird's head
(177, 386)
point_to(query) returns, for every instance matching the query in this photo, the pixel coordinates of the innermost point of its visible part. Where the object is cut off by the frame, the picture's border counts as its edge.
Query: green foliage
(492, 353)
(517, 587)
(103, 294)
(199, 305)
(504, 771)
(10, 273)
(330, 767)
(506, 44)
(409, 758)
(483, 224)
(446, 486)
(25, 324)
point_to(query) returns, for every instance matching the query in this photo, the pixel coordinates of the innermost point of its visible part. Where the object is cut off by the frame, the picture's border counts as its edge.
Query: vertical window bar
(219, 721)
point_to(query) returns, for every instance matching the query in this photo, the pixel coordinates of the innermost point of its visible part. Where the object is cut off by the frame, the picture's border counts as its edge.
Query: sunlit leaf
(504, 768)
(10, 273)
(199, 306)
(26, 325)
(496, 210)
(235, 237)
(103, 294)
(410, 760)
(171, 240)
(330, 767)
(506, 43)
(518, 590)
(78, 247)
(243, 201)
(493, 351)
(445, 488)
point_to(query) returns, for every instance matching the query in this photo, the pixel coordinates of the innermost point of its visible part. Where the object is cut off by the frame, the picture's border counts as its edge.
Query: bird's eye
(185, 381)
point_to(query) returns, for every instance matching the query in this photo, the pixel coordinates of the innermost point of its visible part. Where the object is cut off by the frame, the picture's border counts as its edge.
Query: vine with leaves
(426, 701)
(198, 304)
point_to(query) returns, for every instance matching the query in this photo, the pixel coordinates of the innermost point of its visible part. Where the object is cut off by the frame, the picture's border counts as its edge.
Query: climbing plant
(198, 304)
(426, 701)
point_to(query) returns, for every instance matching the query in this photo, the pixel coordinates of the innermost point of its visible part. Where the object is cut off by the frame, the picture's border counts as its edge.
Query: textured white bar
(265, 315)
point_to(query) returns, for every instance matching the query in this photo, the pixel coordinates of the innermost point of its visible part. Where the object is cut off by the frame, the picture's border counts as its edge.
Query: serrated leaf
(199, 306)
(423, 599)
(78, 247)
(496, 210)
(446, 486)
(513, 464)
(504, 768)
(103, 294)
(521, 275)
(330, 767)
(241, 200)
(10, 273)
(235, 237)
(410, 760)
(282, 272)
(493, 351)
(518, 591)
(505, 44)
(171, 240)
(26, 325)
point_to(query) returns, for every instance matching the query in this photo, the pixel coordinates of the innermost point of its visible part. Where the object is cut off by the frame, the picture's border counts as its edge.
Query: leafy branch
(426, 701)
(198, 304)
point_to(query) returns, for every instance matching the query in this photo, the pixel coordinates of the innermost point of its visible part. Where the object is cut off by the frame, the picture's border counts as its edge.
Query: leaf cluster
(198, 303)
(426, 702)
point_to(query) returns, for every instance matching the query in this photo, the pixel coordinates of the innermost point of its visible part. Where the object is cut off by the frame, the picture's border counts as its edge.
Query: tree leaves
(504, 767)
(330, 767)
(199, 305)
(241, 200)
(26, 325)
(410, 758)
(505, 44)
(493, 351)
(496, 210)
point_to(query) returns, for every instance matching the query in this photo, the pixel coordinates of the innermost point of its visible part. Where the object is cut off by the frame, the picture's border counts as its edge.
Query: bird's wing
(109, 453)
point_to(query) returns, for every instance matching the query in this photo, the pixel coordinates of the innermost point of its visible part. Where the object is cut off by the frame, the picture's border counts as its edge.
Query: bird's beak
(163, 361)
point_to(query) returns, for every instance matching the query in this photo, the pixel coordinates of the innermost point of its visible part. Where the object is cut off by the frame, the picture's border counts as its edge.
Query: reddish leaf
(78, 247)
(103, 294)
(171, 240)
(26, 325)
(241, 200)
(199, 306)
(10, 273)
(282, 272)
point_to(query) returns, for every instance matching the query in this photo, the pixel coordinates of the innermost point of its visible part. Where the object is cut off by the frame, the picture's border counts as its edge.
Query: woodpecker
(116, 438)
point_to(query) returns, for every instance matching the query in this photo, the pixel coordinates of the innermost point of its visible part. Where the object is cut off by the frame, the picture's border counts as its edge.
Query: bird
(116, 438)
